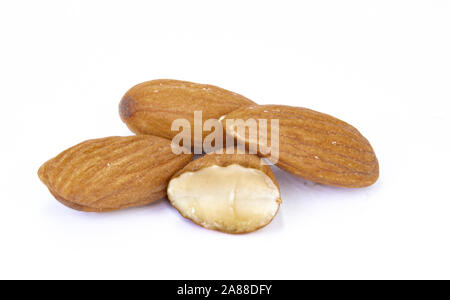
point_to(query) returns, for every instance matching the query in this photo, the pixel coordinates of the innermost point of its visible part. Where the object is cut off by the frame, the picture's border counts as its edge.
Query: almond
(112, 173)
(232, 193)
(152, 106)
(313, 145)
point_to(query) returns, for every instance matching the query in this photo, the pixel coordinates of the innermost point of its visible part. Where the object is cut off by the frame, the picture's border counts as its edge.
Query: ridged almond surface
(314, 145)
(112, 173)
(232, 193)
(152, 106)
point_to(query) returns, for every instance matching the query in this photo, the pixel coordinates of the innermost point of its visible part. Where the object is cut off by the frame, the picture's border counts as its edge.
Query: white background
(383, 66)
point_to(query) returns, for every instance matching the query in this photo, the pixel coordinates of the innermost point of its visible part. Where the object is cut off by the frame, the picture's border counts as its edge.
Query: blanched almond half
(232, 193)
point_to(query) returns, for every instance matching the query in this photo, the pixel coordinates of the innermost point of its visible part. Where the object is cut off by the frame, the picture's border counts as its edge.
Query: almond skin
(232, 193)
(314, 146)
(112, 173)
(152, 106)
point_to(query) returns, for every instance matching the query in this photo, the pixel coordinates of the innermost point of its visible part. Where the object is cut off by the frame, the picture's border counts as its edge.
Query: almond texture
(112, 173)
(313, 145)
(152, 106)
(232, 193)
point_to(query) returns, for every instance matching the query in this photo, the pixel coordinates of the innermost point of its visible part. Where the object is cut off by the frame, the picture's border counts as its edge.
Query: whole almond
(313, 145)
(152, 106)
(112, 173)
(233, 193)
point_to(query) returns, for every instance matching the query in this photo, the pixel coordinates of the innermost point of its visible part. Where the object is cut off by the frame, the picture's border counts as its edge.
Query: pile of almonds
(234, 193)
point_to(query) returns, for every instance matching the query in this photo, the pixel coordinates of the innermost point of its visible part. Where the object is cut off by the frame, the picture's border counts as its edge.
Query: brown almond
(313, 145)
(233, 193)
(152, 106)
(112, 173)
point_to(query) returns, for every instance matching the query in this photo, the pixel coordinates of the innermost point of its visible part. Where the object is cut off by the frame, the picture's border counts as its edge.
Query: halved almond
(232, 193)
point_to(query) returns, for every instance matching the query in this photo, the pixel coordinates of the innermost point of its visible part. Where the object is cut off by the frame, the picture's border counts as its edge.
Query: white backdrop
(383, 66)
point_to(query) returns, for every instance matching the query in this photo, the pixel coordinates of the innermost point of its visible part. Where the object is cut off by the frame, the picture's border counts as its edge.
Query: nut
(232, 193)
(313, 145)
(152, 106)
(112, 173)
